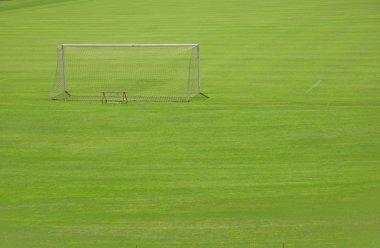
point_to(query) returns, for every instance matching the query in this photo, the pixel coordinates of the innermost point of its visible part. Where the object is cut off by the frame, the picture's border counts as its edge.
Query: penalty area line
(313, 86)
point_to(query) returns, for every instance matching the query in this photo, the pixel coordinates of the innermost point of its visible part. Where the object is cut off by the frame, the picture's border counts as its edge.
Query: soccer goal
(148, 72)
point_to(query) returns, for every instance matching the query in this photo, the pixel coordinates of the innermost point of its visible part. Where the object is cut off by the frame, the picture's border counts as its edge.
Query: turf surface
(286, 150)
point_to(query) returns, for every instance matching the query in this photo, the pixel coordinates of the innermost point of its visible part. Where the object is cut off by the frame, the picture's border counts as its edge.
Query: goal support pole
(64, 69)
(199, 69)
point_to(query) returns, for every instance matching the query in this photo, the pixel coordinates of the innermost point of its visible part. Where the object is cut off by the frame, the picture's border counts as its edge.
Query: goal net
(146, 72)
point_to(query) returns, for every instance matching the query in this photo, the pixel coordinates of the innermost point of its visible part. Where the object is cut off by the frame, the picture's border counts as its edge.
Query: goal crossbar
(130, 45)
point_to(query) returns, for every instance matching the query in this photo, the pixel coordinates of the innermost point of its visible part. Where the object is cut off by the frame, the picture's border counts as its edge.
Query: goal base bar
(119, 99)
(202, 94)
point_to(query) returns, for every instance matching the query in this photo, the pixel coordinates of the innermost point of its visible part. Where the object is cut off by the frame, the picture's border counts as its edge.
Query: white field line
(313, 86)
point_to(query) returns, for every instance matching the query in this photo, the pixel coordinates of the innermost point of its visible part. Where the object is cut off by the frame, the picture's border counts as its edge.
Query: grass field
(286, 150)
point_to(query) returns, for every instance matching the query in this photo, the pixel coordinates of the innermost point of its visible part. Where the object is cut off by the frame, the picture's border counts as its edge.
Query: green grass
(264, 161)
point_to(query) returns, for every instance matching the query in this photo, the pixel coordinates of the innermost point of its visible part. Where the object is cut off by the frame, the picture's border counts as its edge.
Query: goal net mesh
(146, 73)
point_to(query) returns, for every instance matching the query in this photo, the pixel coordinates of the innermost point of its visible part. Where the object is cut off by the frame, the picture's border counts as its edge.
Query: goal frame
(197, 46)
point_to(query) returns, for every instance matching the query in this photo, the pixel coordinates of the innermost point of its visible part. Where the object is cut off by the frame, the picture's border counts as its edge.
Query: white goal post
(148, 72)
